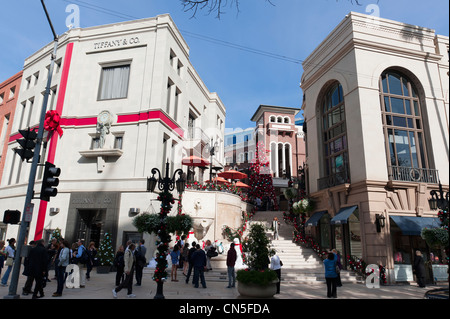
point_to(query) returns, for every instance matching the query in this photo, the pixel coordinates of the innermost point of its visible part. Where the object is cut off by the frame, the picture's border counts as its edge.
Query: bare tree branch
(219, 5)
(211, 5)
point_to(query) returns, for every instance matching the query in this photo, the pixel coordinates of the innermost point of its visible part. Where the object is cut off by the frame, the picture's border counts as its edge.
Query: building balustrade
(412, 174)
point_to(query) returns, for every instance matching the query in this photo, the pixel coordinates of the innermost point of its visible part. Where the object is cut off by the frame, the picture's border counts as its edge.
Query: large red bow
(51, 122)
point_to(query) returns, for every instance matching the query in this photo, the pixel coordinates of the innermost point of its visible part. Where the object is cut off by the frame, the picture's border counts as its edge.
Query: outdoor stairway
(300, 265)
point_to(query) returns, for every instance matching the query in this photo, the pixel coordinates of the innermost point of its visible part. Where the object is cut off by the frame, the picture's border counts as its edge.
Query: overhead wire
(188, 33)
(216, 41)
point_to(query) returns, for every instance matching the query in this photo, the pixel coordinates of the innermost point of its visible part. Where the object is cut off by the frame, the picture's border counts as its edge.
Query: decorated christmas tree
(106, 251)
(56, 234)
(260, 177)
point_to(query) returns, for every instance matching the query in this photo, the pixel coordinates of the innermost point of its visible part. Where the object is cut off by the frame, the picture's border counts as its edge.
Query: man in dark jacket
(231, 261)
(38, 260)
(199, 264)
(26, 272)
(419, 269)
(190, 254)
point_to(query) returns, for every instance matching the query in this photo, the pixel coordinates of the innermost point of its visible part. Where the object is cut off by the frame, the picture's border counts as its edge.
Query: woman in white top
(10, 250)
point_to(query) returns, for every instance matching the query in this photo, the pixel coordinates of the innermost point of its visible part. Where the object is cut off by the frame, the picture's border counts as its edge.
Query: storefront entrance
(89, 225)
(342, 232)
(405, 243)
(92, 215)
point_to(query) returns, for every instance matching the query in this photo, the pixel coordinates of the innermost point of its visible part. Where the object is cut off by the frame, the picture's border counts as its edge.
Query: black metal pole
(55, 36)
(163, 232)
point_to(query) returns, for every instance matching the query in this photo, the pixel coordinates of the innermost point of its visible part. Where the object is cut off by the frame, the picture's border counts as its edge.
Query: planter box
(257, 291)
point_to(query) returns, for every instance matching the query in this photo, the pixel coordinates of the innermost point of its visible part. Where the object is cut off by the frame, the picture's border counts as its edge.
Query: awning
(314, 219)
(343, 215)
(413, 225)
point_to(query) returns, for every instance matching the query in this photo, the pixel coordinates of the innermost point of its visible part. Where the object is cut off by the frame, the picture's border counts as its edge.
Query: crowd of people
(41, 259)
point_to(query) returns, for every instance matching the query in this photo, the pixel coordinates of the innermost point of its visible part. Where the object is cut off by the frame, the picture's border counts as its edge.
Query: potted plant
(257, 280)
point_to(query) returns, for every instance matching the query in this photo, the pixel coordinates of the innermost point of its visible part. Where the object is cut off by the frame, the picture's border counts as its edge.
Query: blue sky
(284, 35)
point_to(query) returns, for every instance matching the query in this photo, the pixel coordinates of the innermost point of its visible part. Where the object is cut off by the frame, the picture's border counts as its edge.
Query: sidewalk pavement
(100, 287)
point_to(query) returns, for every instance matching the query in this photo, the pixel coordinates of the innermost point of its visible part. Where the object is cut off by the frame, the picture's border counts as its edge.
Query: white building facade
(377, 114)
(129, 101)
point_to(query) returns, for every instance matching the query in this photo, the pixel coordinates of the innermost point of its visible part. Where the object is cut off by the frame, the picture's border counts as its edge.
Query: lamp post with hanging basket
(165, 185)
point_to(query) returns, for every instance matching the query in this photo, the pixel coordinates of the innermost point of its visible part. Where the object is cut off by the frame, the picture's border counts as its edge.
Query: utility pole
(24, 224)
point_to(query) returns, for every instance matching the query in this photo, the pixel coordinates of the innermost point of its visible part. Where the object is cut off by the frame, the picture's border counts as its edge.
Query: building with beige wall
(376, 107)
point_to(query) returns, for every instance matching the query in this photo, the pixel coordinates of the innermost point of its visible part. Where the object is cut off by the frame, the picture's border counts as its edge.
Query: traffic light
(28, 143)
(11, 217)
(50, 181)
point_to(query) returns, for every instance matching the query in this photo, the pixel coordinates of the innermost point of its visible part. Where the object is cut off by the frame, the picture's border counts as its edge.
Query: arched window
(334, 137)
(403, 126)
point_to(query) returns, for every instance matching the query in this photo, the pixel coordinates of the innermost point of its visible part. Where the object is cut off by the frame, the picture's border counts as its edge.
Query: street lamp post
(165, 185)
(438, 199)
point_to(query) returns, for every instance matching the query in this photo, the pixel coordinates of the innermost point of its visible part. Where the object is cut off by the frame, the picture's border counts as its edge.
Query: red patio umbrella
(232, 174)
(220, 180)
(242, 185)
(195, 161)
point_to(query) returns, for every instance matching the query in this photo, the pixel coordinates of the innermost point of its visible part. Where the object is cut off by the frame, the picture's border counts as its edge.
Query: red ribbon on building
(51, 122)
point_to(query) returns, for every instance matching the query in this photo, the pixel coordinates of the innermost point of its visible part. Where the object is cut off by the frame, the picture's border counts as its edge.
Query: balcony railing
(196, 133)
(411, 174)
(334, 180)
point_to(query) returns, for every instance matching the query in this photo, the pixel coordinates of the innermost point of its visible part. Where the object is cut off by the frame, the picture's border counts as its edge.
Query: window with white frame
(334, 135)
(403, 127)
(114, 82)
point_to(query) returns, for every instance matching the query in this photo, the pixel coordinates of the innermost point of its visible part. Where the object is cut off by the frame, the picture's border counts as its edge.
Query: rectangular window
(114, 82)
(118, 142)
(95, 143)
(12, 92)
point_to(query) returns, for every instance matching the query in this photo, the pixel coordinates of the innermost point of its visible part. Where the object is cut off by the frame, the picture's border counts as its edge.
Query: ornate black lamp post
(438, 199)
(165, 185)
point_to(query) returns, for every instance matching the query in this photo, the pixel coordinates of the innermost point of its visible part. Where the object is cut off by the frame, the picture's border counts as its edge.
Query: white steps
(300, 265)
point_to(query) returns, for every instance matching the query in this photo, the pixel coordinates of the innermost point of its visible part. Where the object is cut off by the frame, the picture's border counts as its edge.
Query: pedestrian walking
(192, 250)
(275, 228)
(175, 258)
(119, 263)
(208, 248)
(275, 265)
(52, 249)
(419, 269)
(26, 272)
(338, 268)
(92, 253)
(63, 261)
(199, 264)
(185, 257)
(10, 250)
(331, 275)
(38, 262)
(82, 258)
(231, 261)
(141, 261)
(129, 264)
(2, 255)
